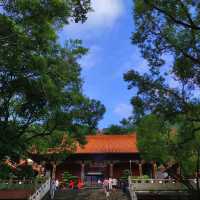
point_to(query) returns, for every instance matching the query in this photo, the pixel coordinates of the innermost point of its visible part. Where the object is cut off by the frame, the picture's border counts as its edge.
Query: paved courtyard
(88, 194)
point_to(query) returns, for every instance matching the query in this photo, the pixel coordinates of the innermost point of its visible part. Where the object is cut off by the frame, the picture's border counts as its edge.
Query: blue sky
(107, 34)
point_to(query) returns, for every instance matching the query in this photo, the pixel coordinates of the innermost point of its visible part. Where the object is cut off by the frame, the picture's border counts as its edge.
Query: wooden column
(82, 171)
(54, 170)
(154, 169)
(140, 169)
(178, 170)
(111, 170)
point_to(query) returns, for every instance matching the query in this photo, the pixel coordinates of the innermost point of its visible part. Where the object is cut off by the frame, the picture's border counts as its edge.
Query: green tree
(170, 30)
(40, 81)
(90, 112)
(161, 142)
(126, 126)
(153, 134)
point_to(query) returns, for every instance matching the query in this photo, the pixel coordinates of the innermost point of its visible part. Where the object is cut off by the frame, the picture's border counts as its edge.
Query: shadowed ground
(88, 194)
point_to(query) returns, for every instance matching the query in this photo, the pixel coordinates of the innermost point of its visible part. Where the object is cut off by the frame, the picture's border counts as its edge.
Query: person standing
(52, 188)
(99, 182)
(110, 183)
(107, 195)
(80, 184)
(114, 182)
(57, 184)
(71, 184)
(105, 184)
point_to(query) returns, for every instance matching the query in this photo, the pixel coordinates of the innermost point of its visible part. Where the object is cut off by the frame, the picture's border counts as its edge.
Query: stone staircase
(119, 195)
(88, 194)
(153, 196)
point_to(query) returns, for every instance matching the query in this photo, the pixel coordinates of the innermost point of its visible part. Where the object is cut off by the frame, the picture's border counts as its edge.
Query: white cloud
(106, 12)
(104, 15)
(91, 59)
(134, 61)
(123, 110)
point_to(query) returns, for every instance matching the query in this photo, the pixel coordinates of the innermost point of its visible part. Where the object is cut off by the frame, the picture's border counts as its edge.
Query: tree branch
(43, 133)
(177, 21)
(187, 14)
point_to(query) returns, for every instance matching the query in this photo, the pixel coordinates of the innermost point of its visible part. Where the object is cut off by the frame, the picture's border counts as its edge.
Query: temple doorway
(92, 178)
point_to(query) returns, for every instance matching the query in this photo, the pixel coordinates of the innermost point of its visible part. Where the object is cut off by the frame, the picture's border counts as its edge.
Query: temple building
(105, 156)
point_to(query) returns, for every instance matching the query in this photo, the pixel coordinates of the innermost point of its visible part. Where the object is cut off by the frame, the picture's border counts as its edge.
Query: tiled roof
(109, 144)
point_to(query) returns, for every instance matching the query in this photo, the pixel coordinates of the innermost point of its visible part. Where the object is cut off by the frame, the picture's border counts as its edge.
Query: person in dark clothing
(123, 186)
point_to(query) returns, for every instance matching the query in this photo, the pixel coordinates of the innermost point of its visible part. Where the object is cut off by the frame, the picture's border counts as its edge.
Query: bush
(141, 177)
(125, 174)
(67, 176)
(7, 186)
(25, 172)
(6, 172)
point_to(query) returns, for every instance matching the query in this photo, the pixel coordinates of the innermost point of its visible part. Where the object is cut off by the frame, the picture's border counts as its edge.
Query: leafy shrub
(25, 172)
(67, 176)
(5, 171)
(125, 174)
(141, 177)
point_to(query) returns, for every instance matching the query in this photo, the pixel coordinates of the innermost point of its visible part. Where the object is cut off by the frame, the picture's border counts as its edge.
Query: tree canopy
(126, 126)
(168, 36)
(40, 79)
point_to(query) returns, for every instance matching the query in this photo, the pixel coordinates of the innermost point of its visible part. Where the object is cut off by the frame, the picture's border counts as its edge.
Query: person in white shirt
(114, 182)
(57, 184)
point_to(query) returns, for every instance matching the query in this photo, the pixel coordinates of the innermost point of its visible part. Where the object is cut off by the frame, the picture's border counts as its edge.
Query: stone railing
(16, 184)
(42, 189)
(155, 185)
(131, 190)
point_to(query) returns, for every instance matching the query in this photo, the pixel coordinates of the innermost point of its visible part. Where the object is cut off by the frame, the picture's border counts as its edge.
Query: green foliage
(25, 172)
(125, 174)
(5, 171)
(68, 176)
(40, 80)
(126, 126)
(12, 186)
(168, 35)
(141, 177)
(90, 112)
(153, 135)
(168, 30)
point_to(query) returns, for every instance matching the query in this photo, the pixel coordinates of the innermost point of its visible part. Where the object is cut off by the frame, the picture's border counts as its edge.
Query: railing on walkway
(16, 184)
(41, 191)
(155, 185)
(131, 189)
(159, 184)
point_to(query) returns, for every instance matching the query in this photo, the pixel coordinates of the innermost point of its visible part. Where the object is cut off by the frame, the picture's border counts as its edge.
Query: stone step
(88, 194)
(84, 194)
(152, 196)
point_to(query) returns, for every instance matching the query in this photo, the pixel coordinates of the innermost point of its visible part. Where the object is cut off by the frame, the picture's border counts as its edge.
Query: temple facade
(105, 156)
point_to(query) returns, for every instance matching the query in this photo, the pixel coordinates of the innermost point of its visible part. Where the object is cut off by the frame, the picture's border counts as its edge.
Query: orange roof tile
(109, 144)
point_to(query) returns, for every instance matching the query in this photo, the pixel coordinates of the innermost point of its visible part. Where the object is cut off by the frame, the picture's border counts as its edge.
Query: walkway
(88, 194)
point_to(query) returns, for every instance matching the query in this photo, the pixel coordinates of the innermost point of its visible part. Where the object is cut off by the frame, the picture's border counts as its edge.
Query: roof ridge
(111, 135)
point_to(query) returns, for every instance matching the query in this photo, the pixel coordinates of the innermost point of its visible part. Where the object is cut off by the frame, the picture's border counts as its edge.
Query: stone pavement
(88, 194)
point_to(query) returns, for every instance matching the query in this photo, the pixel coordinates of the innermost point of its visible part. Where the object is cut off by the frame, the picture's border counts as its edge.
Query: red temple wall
(75, 169)
(118, 169)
